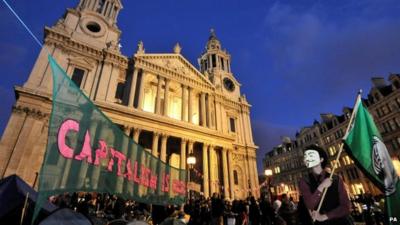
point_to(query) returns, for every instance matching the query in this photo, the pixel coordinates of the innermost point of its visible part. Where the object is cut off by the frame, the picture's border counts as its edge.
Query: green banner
(366, 147)
(87, 152)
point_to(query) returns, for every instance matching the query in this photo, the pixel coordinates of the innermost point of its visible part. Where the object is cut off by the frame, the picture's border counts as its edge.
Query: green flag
(87, 152)
(365, 145)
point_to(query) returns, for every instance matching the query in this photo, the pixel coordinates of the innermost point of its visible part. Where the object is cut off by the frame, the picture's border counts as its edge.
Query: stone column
(124, 149)
(110, 9)
(208, 111)
(205, 171)
(249, 173)
(166, 93)
(133, 156)
(190, 113)
(136, 133)
(218, 118)
(183, 153)
(141, 91)
(183, 105)
(154, 149)
(133, 88)
(212, 170)
(249, 127)
(158, 98)
(213, 108)
(230, 170)
(225, 172)
(203, 108)
(104, 7)
(163, 155)
(240, 128)
(246, 128)
(116, 16)
(96, 3)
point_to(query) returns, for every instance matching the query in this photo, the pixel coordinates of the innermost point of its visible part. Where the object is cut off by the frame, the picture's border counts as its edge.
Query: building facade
(383, 103)
(162, 101)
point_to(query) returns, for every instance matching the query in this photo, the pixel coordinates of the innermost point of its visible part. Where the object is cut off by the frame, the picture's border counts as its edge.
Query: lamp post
(268, 173)
(191, 161)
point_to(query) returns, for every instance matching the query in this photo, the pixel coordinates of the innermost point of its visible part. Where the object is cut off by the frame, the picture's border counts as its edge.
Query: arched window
(235, 177)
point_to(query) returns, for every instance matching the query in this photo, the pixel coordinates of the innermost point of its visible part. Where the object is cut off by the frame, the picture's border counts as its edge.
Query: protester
(336, 206)
(286, 211)
(267, 212)
(254, 212)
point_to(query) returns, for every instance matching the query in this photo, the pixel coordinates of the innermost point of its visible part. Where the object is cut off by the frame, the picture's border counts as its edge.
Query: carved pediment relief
(81, 62)
(178, 65)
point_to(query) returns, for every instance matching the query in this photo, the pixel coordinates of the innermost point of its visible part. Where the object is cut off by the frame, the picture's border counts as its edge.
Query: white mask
(311, 158)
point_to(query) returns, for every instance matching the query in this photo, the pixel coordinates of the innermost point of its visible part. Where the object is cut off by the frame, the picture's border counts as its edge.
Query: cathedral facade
(162, 101)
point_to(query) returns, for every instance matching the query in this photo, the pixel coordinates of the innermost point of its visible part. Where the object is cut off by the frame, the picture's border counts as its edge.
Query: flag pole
(341, 148)
(24, 208)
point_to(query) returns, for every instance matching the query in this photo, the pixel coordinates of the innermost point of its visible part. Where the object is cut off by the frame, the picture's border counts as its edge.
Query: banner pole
(24, 208)
(34, 182)
(340, 149)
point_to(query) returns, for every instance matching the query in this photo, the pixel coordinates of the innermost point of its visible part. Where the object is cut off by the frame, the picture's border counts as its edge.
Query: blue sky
(295, 59)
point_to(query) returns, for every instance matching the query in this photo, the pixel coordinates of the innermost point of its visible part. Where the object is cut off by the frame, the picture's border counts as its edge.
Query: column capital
(137, 129)
(184, 140)
(126, 128)
(163, 135)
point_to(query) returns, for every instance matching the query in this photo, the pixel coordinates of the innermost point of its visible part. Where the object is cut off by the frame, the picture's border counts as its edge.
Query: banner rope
(23, 24)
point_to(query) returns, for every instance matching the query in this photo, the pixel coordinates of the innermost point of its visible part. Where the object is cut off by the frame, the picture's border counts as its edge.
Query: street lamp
(268, 172)
(191, 160)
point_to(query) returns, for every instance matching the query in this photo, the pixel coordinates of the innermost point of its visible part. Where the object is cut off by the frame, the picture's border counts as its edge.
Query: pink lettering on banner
(153, 182)
(111, 162)
(101, 152)
(86, 150)
(145, 176)
(136, 179)
(65, 127)
(165, 183)
(179, 187)
(120, 157)
(128, 170)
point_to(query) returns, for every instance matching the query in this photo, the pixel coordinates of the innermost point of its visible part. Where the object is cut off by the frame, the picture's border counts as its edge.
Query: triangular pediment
(177, 64)
(82, 62)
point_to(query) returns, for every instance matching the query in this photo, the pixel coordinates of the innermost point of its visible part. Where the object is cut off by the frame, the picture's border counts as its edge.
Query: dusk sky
(295, 59)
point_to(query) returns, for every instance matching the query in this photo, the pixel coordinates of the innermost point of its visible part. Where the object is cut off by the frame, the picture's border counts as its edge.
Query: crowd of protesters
(102, 208)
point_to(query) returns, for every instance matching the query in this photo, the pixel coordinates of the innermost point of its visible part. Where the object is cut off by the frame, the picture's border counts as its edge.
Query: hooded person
(336, 205)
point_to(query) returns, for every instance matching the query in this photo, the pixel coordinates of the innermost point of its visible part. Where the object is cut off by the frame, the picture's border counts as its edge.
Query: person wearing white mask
(336, 205)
